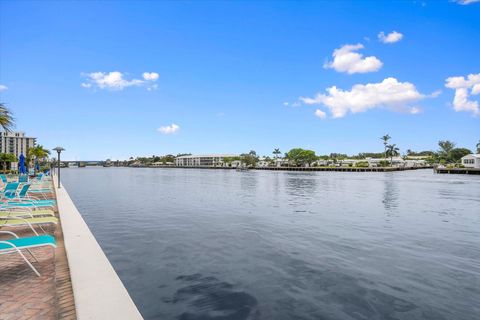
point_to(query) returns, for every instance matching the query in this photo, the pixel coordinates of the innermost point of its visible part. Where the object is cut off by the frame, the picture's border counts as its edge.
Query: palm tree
(276, 152)
(478, 147)
(392, 151)
(7, 122)
(385, 139)
(37, 152)
(7, 157)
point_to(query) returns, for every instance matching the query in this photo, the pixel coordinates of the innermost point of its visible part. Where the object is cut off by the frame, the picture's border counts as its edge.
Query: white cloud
(464, 87)
(346, 59)
(116, 80)
(435, 94)
(3, 88)
(392, 37)
(152, 87)
(150, 76)
(293, 104)
(319, 113)
(465, 2)
(169, 129)
(414, 110)
(476, 89)
(389, 93)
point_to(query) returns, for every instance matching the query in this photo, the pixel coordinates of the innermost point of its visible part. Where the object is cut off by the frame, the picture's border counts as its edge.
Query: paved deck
(23, 295)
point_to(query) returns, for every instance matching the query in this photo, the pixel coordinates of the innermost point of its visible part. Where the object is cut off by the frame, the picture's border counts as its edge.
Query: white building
(16, 143)
(263, 163)
(202, 160)
(396, 161)
(471, 161)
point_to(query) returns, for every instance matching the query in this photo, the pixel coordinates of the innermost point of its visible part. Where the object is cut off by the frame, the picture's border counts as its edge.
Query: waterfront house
(471, 161)
(415, 163)
(235, 164)
(263, 163)
(280, 162)
(396, 161)
(347, 162)
(322, 163)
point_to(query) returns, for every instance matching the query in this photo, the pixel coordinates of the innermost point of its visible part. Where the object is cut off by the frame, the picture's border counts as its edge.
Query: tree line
(447, 153)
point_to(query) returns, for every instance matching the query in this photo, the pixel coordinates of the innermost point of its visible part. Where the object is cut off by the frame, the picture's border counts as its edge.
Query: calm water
(214, 244)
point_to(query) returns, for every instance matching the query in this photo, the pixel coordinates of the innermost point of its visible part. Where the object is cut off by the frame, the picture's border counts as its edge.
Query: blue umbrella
(37, 165)
(22, 164)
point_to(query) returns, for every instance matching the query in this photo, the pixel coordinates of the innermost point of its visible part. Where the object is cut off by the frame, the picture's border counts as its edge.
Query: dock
(457, 170)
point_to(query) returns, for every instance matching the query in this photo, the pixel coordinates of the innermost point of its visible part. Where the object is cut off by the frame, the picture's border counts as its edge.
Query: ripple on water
(209, 298)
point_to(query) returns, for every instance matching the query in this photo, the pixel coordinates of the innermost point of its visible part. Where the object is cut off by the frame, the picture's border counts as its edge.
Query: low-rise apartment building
(203, 160)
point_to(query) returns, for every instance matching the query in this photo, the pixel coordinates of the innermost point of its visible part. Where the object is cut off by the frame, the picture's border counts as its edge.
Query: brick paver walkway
(23, 295)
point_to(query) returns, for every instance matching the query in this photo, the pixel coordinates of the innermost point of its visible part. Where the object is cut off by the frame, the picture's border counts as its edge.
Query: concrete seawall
(338, 169)
(457, 170)
(98, 291)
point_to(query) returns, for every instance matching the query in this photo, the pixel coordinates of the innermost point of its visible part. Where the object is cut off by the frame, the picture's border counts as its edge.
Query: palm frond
(7, 121)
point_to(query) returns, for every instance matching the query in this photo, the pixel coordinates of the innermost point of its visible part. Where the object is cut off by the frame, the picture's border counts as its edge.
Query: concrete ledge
(98, 291)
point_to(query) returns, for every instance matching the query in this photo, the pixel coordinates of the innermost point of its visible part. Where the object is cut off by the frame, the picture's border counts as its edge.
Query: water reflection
(301, 184)
(390, 194)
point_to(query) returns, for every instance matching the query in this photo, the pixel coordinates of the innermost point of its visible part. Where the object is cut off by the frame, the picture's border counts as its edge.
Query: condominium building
(16, 143)
(203, 160)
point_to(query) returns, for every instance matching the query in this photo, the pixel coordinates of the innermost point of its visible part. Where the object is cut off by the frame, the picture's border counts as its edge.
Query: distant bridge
(92, 163)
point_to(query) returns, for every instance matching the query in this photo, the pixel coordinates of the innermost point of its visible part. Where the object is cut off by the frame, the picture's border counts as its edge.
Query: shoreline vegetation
(448, 156)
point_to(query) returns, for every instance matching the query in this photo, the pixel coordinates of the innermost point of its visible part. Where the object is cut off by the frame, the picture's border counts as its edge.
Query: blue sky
(227, 70)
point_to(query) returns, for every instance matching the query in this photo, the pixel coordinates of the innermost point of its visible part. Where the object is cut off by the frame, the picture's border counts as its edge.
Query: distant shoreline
(338, 169)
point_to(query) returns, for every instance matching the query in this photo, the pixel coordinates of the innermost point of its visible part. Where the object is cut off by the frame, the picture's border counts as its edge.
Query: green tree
(7, 122)
(168, 158)
(228, 160)
(445, 150)
(385, 139)
(457, 153)
(5, 158)
(249, 159)
(392, 151)
(301, 156)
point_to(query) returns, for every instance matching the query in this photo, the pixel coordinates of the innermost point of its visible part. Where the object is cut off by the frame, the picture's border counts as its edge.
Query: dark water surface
(215, 244)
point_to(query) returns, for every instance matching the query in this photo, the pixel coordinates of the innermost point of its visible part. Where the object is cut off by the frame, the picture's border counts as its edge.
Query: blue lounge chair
(24, 197)
(10, 190)
(4, 178)
(23, 201)
(16, 244)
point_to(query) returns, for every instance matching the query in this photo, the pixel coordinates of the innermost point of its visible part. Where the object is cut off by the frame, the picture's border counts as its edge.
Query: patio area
(24, 295)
